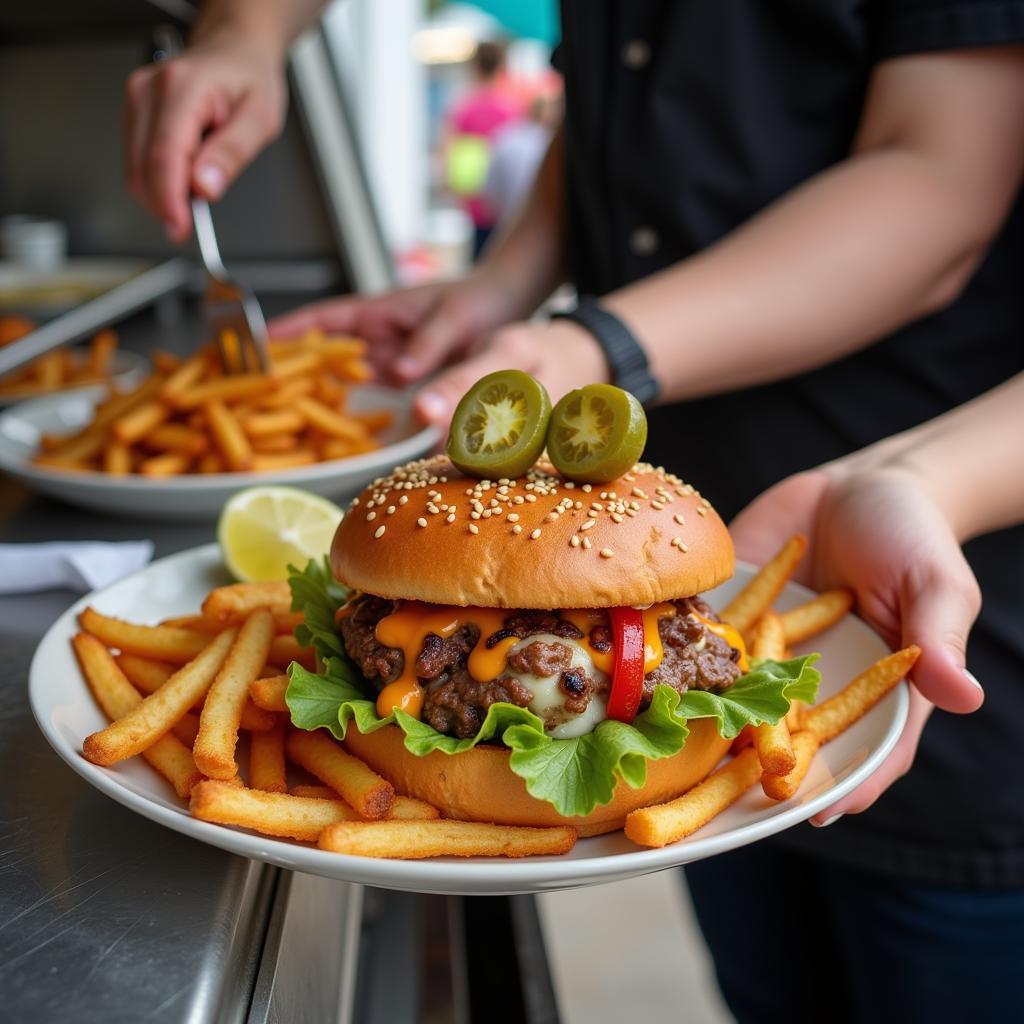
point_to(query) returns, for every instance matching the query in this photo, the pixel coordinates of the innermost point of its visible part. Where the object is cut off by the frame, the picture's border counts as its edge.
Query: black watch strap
(626, 358)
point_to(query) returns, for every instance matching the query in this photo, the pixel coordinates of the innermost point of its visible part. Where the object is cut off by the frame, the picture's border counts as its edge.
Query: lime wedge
(262, 530)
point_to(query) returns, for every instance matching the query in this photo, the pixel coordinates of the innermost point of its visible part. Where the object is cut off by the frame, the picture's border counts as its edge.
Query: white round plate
(195, 496)
(127, 369)
(66, 713)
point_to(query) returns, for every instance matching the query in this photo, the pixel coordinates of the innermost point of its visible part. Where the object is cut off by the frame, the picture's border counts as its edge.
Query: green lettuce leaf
(575, 775)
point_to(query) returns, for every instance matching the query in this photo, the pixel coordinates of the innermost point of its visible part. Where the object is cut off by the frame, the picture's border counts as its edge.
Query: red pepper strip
(628, 674)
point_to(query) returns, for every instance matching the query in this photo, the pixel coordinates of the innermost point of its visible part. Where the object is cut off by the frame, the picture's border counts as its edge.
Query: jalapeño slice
(597, 433)
(500, 425)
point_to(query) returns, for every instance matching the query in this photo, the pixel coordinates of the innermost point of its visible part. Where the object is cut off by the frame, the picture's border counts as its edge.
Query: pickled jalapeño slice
(597, 433)
(500, 425)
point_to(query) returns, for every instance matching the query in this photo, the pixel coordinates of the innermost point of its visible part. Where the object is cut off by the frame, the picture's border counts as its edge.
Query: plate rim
(492, 875)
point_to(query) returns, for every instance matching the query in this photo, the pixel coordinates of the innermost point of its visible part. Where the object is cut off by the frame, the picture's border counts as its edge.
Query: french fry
(211, 462)
(670, 822)
(117, 459)
(269, 693)
(221, 390)
(221, 716)
(176, 437)
(285, 649)
(165, 643)
(235, 601)
(164, 362)
(265, 424)
(339, 448)
(101, 351)
(772, 742)
(795, 716)
(168, 464)
(134, 425)
(266, 760)
(828, 719)
(273, 814)
(816, 615)
(405, 808)
(328, 421)
(156, 714)
(147, 676)
(185, 377)
(360, 786)
(117, 698)
(783, 785)
(299, 365)
(187, 729)
(231, 440)
(760, 593)
(287, 392)
(414, 840)
(50, 371)
(374, 422)
(274, 444)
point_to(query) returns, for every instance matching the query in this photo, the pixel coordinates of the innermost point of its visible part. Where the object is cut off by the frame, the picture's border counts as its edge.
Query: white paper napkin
(74, 565)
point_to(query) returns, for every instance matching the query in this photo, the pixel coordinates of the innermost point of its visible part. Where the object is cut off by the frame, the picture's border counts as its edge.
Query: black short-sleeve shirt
(683, 119)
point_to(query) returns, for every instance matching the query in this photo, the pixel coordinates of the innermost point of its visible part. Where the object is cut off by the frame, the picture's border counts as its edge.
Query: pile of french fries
(202, 699)
(191, 417)
(60, 369)
(777, 756)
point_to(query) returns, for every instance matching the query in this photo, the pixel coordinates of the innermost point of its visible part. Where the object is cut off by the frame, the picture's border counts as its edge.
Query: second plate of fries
(243, 781)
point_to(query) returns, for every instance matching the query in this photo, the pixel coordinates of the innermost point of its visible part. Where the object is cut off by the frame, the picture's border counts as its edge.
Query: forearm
(889, 235)
(269, 24)
(528, 260)
(872, 244)
(971, 460)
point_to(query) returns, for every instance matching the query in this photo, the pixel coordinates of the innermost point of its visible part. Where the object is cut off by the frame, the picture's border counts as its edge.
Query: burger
(531, 650)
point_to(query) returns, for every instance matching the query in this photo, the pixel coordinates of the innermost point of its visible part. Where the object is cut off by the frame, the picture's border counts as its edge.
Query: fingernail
(432, 405)
(971, 679)
(212, 180)
(827, 821)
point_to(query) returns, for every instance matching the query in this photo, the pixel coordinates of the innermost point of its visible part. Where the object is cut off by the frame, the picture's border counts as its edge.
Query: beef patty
(455, 703)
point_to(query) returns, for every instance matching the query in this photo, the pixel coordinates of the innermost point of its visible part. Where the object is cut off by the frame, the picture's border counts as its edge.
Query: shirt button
(636, 54)
(644, 241)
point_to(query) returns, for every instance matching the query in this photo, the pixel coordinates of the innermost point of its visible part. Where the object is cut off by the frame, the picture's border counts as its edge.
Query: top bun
(427, 532)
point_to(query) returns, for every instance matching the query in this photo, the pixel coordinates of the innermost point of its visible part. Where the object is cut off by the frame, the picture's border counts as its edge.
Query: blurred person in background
(516, 156)
(805, 236)
(479, 117)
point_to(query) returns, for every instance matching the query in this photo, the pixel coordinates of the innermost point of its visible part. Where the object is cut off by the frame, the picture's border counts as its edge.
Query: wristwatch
(626, 357)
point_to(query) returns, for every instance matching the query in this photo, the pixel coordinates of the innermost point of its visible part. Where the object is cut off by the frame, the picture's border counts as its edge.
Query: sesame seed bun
(426, 532)
(478, 785)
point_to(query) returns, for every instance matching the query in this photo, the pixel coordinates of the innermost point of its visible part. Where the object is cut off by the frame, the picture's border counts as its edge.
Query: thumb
(226, 151)
(937, 614)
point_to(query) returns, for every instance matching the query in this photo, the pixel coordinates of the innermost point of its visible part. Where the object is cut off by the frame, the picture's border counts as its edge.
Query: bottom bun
(478, 785)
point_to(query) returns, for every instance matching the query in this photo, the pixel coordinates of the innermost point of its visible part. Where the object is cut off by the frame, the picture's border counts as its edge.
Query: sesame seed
(391, 510)
(531, 497)
(639, 493)
(450, 518)
(473, 528)
(587, 488)
(486, 514)
(616, 518)
(474, 514)
(535, 534)
(404, 499)
(587, 524)
(370, 516)
(597, 506)
(421, 521)
(513, 517)
(379, 532)
(659, 505)
(355, 502)
(586, 543)
(631, 512)
(574, 540)
(679, 518)
(701, 511)
(517, 528)
(570, 485)
(550, 517)
(607, 553)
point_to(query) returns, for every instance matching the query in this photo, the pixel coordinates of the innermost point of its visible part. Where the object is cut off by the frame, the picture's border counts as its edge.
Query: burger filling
(549, 663)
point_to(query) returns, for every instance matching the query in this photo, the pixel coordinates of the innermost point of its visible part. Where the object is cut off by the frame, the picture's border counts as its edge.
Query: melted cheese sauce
(407, 627)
